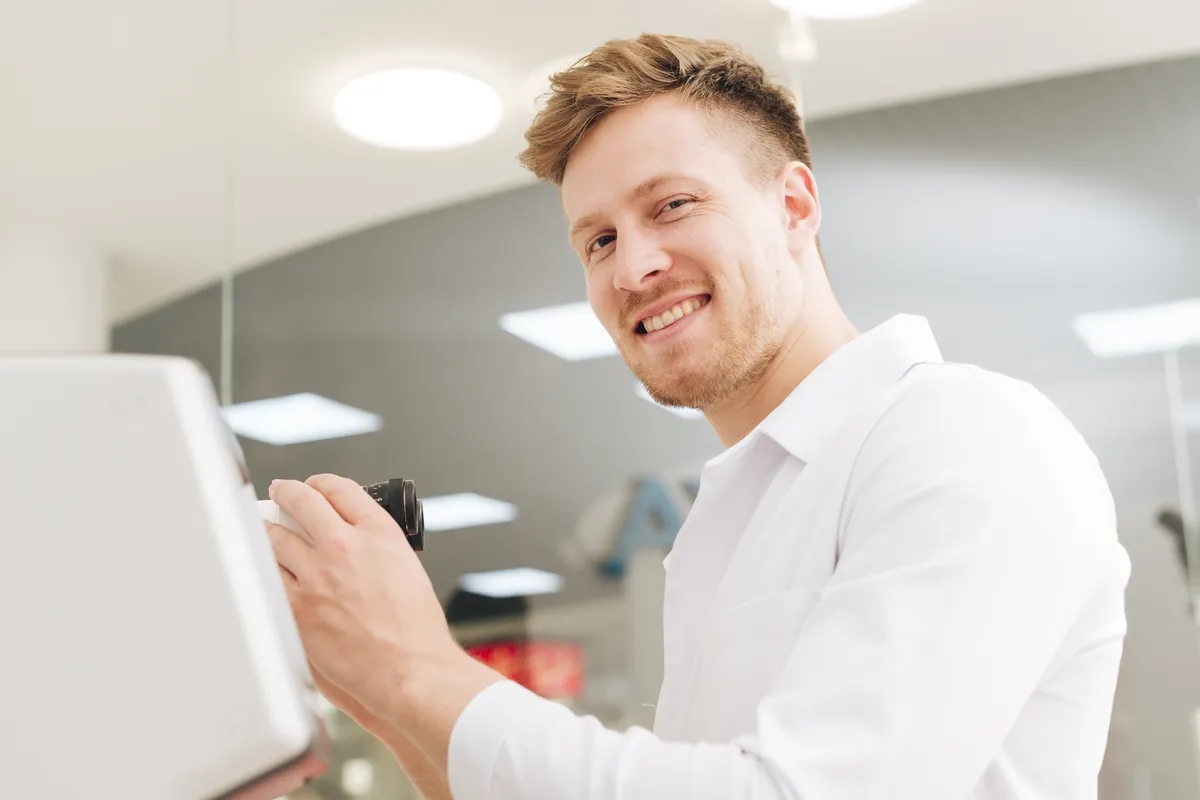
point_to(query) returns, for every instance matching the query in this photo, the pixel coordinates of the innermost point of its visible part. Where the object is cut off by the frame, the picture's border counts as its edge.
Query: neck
(820, 329)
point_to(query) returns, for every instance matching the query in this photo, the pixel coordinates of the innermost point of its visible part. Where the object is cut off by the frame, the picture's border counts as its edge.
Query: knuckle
(300, 597)
(328, 482)
(323, 480)
(341, 547)
(286, 489)
(304, 500)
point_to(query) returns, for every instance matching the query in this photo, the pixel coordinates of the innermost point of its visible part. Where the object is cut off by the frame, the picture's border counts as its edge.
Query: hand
(372, 724)
(366, 611)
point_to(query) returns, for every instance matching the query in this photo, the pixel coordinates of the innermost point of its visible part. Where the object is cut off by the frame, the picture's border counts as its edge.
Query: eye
(676, 204)
(601, 242)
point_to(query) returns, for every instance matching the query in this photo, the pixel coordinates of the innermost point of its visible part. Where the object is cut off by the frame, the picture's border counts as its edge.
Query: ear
(800, 205)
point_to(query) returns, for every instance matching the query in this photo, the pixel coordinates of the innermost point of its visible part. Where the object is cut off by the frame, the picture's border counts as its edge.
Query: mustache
(633, 304)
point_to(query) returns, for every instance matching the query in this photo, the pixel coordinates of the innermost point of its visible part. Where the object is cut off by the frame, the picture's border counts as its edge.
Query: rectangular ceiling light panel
(520, 582)
(295, 418)
(569, 331)
(465, 510)
(1143, 329)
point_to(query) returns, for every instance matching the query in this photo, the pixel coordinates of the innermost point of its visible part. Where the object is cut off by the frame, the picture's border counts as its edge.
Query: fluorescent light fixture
(465, 510)
(418, 109)
(683, 413)
(843, 9)
(1144, 329)
(520, 582)
(569, 331)
(304, 417)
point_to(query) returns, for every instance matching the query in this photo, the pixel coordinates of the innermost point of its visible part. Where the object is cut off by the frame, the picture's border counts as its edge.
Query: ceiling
(180, 137)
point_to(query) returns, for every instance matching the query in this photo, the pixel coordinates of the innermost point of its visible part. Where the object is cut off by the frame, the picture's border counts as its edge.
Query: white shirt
(905, 583)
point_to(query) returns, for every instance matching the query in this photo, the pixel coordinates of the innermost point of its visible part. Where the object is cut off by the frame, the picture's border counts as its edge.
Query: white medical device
(148, 649)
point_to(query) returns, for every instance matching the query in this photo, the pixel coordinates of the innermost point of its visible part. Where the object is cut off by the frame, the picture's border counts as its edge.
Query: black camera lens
(398, 497)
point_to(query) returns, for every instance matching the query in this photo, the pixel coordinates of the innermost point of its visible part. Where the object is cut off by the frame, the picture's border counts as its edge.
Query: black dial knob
(398, 497)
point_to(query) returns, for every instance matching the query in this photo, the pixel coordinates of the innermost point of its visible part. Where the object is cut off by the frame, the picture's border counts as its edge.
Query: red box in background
(550, 669)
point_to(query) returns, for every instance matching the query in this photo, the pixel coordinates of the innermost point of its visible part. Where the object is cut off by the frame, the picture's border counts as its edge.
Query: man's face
(690, 262)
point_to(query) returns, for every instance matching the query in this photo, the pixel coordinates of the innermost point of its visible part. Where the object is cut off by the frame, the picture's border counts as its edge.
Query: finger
(347, 498)
(289, 580)
(291, 552)
(309, 508)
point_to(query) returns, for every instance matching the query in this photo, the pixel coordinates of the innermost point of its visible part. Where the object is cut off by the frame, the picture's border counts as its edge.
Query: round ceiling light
(843, 9)
(418, 109)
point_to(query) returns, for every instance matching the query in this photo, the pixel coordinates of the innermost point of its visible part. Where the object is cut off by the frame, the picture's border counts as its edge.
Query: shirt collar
(855, 373)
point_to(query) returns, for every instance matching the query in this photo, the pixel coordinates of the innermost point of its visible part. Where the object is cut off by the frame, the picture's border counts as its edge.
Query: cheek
(604, 300)
(719, 244)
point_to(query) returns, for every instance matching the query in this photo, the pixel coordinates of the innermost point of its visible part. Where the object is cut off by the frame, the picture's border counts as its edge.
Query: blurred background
(320, 202)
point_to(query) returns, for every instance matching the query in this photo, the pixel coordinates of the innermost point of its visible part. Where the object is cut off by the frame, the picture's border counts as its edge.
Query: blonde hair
(717, 76)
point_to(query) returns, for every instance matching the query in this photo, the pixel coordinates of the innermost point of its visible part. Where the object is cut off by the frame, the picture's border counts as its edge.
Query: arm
(971, 541)
(509, 744)
(429, 781)
(975, 529)
(370, 623)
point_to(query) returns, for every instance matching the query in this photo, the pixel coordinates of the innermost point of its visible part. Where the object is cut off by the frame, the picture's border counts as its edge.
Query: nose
(641, 260)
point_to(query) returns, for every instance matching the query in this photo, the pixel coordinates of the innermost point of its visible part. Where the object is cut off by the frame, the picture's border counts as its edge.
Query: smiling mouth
(672, 315)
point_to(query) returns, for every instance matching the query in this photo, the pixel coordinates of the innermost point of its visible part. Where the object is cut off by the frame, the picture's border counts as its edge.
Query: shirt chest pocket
(744, 650)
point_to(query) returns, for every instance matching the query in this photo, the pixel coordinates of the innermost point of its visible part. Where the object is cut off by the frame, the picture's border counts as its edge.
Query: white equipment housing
(148, 647)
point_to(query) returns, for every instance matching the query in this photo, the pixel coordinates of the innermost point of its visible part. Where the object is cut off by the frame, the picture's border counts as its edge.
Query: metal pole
(226, 378)
(1183, 471)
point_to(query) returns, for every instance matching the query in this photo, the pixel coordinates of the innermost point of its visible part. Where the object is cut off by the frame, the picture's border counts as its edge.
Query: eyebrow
(641, 190)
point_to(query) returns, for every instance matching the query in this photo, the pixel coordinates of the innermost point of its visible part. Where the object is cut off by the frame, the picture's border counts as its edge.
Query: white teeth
(673, 315)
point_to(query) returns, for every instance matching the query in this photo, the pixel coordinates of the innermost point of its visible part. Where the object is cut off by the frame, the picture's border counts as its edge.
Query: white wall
(53, 292)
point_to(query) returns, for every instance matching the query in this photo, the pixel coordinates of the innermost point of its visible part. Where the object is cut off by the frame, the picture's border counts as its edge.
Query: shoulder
(968, 404)
(941, 396)
(964, 428)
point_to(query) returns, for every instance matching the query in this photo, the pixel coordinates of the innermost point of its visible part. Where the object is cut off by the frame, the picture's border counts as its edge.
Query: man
(900, 580)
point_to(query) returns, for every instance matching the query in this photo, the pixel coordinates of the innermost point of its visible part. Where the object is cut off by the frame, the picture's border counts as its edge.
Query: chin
(681, 388)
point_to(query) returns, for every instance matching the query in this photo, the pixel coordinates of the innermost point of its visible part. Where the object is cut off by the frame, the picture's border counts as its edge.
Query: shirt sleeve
(976, 528)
